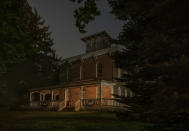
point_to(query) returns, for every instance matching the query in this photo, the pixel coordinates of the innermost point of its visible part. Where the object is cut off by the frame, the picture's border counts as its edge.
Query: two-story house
(85, 80)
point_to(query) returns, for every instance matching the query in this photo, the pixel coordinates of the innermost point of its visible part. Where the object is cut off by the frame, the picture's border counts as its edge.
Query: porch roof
(69, 84)
(47, 88)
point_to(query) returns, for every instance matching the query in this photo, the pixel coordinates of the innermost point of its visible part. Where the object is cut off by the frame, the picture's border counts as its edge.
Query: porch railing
(44, 103)
(101, 102)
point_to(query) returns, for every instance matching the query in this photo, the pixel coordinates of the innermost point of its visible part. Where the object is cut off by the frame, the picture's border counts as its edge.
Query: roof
(102, 33)
(92, 54)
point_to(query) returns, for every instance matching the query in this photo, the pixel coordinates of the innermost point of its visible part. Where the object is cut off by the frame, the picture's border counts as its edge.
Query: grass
(65, 121)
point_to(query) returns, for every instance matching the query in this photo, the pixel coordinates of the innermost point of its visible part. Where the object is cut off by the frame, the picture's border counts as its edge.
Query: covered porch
(49, 98)
(75, 95)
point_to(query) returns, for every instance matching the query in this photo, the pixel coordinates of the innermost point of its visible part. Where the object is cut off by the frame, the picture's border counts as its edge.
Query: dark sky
(58, 14)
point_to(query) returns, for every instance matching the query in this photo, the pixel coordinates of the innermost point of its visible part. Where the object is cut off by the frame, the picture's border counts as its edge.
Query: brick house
(85, 80)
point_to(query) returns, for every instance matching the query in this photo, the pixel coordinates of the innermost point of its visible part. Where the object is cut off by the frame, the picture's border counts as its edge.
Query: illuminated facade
(86, 80)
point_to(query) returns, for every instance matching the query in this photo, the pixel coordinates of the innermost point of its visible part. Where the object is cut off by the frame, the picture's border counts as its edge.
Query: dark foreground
(66, 121)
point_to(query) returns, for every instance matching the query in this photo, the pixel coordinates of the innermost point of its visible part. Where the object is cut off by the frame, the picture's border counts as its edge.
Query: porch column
(30, 96)
(43, 97)
(65, 97)
(52, 95)
(81, 95)
(30, 99)
(40, 96)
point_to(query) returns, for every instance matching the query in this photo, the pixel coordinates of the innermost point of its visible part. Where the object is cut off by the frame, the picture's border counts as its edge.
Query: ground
(65, 121)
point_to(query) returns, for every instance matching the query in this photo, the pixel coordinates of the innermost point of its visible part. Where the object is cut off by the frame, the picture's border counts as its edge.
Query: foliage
(85, 13)
(26, 55)
(156, 54)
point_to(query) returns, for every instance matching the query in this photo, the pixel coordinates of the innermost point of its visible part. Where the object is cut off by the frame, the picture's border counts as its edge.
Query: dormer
(97, 41)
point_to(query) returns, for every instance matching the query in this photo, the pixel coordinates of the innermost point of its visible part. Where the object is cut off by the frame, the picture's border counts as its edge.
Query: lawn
(65, 121)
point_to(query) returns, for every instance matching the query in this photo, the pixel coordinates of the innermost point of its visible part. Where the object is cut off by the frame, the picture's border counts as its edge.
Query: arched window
(119, 91)
(99, 67)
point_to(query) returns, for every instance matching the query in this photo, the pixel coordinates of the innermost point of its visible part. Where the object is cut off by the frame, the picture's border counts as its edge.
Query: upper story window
(82, 71)
(99, 69)
(68, 72)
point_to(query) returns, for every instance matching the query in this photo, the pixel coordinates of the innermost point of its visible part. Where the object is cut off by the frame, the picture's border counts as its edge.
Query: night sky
(58, 14)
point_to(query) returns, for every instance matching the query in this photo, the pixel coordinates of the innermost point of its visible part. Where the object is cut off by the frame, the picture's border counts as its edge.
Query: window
(83, 68)
(99, 68)
(57, 97)
(119, 91)
(119, 73)
(75, 73)
(131, 93)
(126, 93)
(68, 72)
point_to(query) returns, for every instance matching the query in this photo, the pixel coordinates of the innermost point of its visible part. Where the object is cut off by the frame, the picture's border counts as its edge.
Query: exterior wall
(85, 67)
(107, 67)
(74, 73)
(75, 95)
(90, 92)
(62, 94)
(63, 73)
(106, 92)
(88, 69)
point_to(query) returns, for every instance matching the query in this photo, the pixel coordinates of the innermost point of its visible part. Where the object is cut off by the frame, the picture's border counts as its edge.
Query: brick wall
(109, 70)
(106, 92)
(90, 92)
(62, 94)
(74, 95)
(107, 67)
(89, 68)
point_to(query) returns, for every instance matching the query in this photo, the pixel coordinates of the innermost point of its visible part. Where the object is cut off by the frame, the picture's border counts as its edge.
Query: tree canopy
(156, 37)
(27, 58)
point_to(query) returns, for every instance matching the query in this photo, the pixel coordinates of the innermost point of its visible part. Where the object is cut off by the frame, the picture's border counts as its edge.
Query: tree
(26, 54)
(156, 36)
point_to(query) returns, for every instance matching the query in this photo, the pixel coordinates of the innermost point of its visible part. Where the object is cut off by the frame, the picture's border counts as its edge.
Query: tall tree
(26, 54)
(156, 36)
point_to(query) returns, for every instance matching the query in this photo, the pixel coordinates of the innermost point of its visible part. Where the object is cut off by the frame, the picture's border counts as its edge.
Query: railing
(34, 104)
(44, 103)
(101, 102)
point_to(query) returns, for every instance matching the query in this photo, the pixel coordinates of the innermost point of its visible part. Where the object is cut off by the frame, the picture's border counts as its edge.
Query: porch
(80, 104)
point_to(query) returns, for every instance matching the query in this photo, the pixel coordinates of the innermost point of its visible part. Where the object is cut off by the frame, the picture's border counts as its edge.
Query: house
(86, 80)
